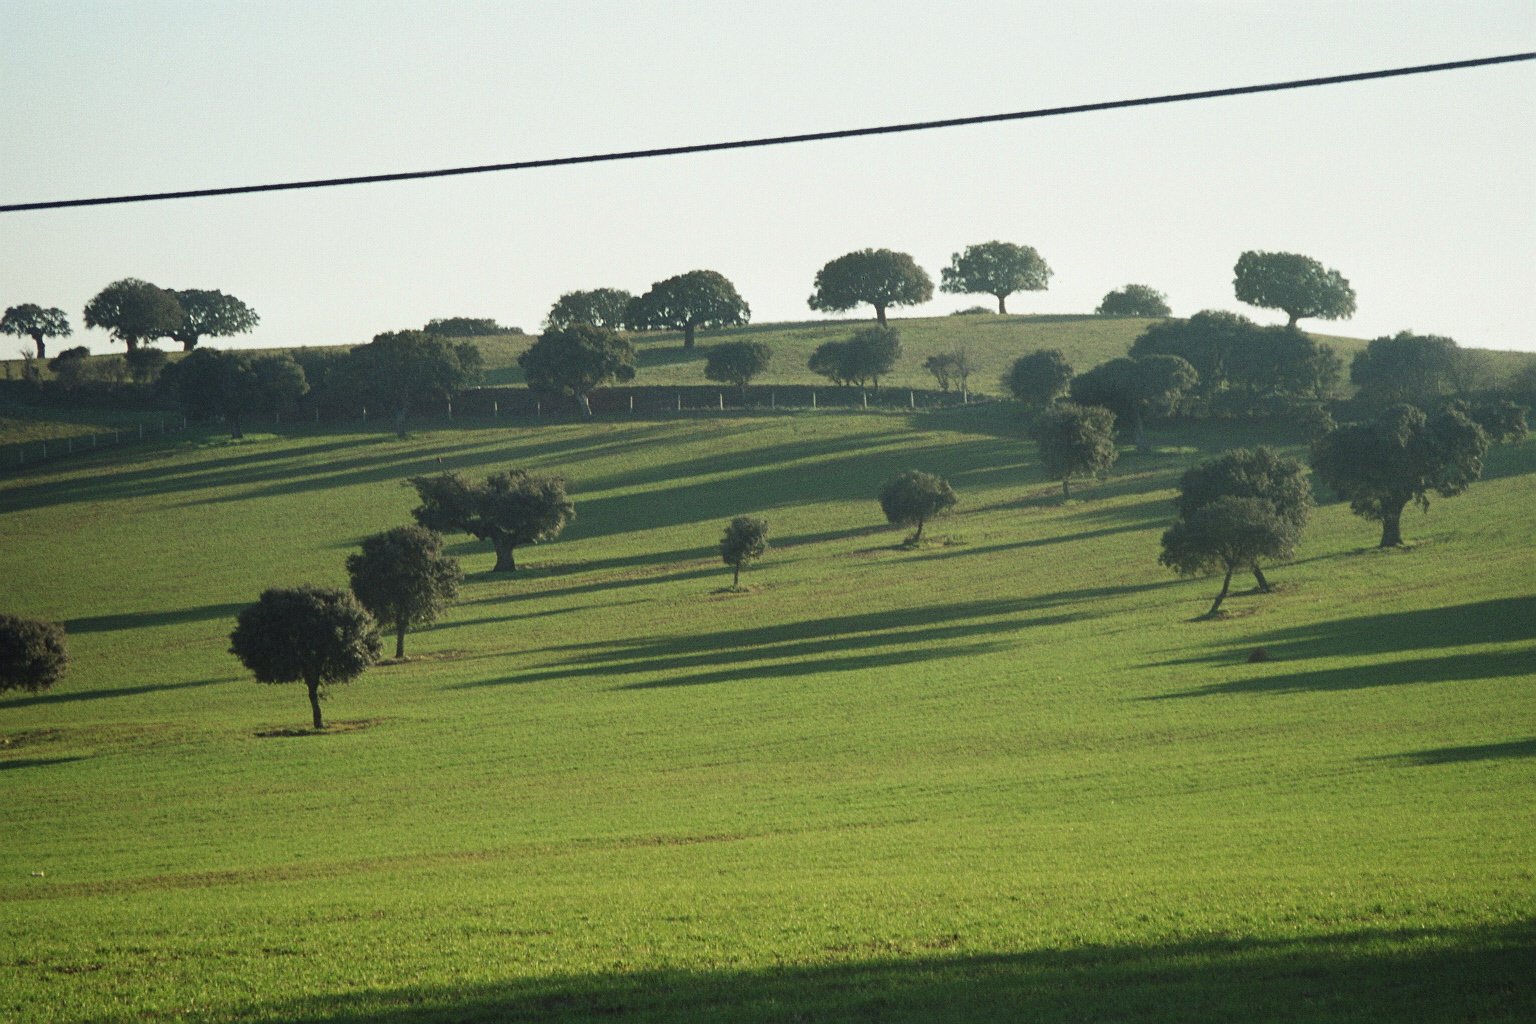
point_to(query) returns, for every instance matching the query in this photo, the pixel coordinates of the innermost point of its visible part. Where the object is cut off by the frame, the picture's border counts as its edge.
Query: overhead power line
(777, 140)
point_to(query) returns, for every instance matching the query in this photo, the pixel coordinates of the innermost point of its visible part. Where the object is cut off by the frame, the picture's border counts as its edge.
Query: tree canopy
(699, 298)
(211, 314)
(1039, 378)
(737, 362)
(400, 370)
(29, 320)
(135, 311)
(1133, 388)
(467, 327)
(508, 509)
(573, 361)
(600, 307)
(1400, 456)
(913, 497)
(1134, 300)
(215, 383)
(1225, 535)
(996, 268)
(1075, 440)
(403, 578)
(1262, 474)
(869, 354)
(745, 540)
(32, 654)
(310, 634)
(879, 277)
(1298, 285)
(951, 368)
(1419, 369)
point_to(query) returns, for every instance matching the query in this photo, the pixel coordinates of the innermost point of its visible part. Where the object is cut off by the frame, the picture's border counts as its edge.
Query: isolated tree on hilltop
(1262, 474)
(211, 314)
(1298, 285)
(1226, 535)
(32, 654)
(737, 362)
(1039, 378)
(745, 540)
(600, 307)
(998, 269)
(509, 509)
(310, 634)
(914, 497)
(1401, 456)
(135, 311)
(699, 298)
(574, 361)
(1075, 440)
(32, 321)
(879, 277)
(403, 578)
(1134, 300)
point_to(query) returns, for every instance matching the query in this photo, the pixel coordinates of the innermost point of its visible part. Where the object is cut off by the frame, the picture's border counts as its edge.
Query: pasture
(1002, 776)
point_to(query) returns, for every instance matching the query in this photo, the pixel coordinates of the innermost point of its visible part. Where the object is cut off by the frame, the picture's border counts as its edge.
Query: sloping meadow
(1002, 775)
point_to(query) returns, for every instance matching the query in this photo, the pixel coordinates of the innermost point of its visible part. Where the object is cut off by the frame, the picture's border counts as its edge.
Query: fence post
(911, 399)
(773, 399)
(45, 450)
(450, 408)
(141, 431)
(965, 396)
(69, 446)
(679, 401)
(365, 414)
(495, 408)
(538, 407)
(721, 395)
(317, 415)
(813, 399)
(865, 396)
(631, 402)
(93, 440)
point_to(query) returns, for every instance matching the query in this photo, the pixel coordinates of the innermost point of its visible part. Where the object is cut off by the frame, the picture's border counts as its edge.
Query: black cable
(779, 140)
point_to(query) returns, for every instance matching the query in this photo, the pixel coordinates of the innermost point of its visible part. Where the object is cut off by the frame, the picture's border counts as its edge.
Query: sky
(1418, 190)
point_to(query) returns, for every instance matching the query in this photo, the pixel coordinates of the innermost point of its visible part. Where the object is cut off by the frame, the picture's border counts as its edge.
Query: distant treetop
(467, 327)
(998, 269)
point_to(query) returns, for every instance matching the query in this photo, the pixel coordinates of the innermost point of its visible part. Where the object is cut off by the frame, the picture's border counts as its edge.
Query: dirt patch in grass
(333, 729)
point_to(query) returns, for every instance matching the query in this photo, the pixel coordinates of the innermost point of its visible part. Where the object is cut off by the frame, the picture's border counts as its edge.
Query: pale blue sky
(1417, 190)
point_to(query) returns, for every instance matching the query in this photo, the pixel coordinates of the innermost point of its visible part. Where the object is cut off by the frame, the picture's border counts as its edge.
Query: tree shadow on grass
(1442, 974)
(140, 620)
(1496, 620)
(15, 763)
(1451, 668)
(1460, 755)
(74, 696)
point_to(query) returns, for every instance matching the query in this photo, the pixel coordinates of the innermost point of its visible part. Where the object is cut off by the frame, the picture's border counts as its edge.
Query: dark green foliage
(29, 320)
(309, 634)
(1419, 369)
(1224, 535)
(744, 541)
(1262, 474)
(996, 268)
(1503, 422)
(699, 298)
(146, 364)
(1401, 456)
(211, 314)
(400, 370)
(1039, 378)
(220, 384)
(600, 307)
(1296, 284)
(951, 368)
(135, 311)
(572, 361)
(1134, 300)
(913, 497)
(879, 277)
(862, 359)
(1206, 341)
(1134, 388)
(403, 578)
(737, 362)
(1075, 440)
(1245, 369)
(32, 655)
(467, 327)
(509, 509)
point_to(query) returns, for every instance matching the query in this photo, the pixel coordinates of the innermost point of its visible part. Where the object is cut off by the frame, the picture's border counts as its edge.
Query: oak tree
(1298, 285)
(509, 509)
(29, 320)
(879, 277)
(744, 541)
(913, 497)
(211, 314)
(996, 268)
(135, 311)
(574, 361)
(1075, 440)
(699, 298)
(403, 578)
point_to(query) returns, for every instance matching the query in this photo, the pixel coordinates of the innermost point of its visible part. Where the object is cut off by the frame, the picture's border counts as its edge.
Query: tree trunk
(400, 625)
(1225, 584)
(235, 432)
(42, 349)
(1002, 304)
(586, 405)
(880, 313)
(505, 562)
(189, 344)
(314, 701)
(1258, 574)
(132, 343)
(1141, 432)
(1392, 526)
(919, 534)
(736, 579)
(1066, 487)
(688, 335)
(1293, 318)
(400, 423)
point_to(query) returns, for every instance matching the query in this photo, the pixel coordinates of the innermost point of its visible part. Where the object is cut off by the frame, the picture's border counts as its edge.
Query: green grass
(1003, 776)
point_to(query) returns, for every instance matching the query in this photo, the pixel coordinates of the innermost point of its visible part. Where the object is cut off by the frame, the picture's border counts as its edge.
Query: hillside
(1002, 776)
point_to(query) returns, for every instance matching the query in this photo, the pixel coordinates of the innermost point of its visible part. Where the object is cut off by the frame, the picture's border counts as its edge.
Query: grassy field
(1004, 776)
